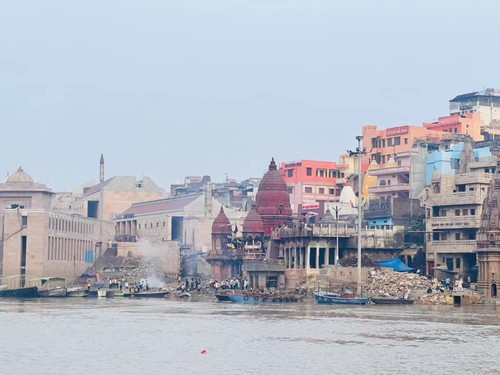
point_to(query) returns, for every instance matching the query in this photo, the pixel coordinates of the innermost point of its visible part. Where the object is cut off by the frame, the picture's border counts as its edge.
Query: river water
(157, 336)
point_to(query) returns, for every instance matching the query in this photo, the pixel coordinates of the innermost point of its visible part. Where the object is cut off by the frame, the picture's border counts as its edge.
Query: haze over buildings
(169, 89)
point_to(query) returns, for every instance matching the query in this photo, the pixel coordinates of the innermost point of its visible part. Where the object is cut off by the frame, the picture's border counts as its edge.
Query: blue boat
(339, 299)
(262, 298)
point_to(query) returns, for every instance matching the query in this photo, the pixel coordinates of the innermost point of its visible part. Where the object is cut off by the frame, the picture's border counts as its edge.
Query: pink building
(310, 182)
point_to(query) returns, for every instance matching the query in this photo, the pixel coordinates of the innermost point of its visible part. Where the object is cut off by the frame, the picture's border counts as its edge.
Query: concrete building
(38, 241)
(470, 124)
(117, 194)
(310, 182)
(453, 202)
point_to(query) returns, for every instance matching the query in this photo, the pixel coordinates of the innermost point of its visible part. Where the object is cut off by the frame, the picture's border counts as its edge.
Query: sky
(175, 88)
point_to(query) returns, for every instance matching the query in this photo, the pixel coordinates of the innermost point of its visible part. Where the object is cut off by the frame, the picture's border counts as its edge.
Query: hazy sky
(167, 88)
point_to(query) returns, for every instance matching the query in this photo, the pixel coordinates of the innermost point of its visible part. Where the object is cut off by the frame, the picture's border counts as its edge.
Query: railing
(389, 188)
(458, 246)
(460, 198)
(473, 178)
(456, 221)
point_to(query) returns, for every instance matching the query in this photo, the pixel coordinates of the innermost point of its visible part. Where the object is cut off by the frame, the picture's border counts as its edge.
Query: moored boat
(27, 292)
(76, 292)
(391, 301)
(51, 286)
(339, 299)
(147, 294)
(263, 297)
(222, 296)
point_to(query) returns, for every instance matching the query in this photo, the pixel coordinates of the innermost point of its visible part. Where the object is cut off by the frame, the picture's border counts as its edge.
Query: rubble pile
(387, 283)
(132, 269)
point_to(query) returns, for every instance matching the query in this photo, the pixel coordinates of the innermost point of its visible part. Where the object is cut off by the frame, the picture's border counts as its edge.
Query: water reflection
(127, 336)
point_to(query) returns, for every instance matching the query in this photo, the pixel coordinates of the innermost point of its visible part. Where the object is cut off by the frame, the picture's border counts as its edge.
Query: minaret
(101, 203)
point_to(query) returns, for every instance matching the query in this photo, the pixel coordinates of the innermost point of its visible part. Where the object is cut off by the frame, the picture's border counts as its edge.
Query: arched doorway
(493, 290)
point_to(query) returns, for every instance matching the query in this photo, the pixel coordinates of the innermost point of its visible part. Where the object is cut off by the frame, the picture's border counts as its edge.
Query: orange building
(468, 123)
(310, 182)
(384, 145)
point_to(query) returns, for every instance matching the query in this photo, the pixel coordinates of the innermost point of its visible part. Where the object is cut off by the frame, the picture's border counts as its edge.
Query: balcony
(473, 178)
(455, 222)
(457, 199)
(390, 170)
(453, 247)
(389, 188)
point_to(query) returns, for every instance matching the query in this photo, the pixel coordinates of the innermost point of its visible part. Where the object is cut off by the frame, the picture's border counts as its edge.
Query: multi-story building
(486, 103)
(470, 124)
(310, 182)
(38, 241)
(453, 203)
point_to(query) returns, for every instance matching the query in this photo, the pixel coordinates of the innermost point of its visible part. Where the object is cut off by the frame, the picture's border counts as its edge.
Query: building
(460, 177)
(488, 239)
(470, 124)
(117, 194)
(38, 241)
(310, 182)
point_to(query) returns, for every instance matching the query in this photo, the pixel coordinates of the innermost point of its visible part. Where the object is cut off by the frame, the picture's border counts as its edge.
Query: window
(465, 212)
(331, 191)
(290, 189)
(321, 173)
(25, 221)
(457, 212)
(389, 142)
(308, 190)
(457, 236)
(322, 190)
(397, 141)
(457, 263)
(406, 141)
(289, 173)
(309, 171)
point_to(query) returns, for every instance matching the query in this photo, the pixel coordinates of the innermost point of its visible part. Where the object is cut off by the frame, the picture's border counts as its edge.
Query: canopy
(396, 264)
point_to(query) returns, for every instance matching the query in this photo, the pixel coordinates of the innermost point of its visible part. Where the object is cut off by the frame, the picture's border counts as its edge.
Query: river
(157, 336)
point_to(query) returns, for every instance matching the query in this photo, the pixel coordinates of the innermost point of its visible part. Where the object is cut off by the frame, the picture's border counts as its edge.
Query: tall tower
(101, 202)
(488, 239)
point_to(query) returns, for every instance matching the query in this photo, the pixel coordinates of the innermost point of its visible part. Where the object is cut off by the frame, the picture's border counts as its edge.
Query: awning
(396, 264)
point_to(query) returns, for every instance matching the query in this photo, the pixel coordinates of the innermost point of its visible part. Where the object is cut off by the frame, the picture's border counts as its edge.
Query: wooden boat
(339, 299)
(223, 295)
(391, 301)
(27, 292)
(54, 292)
(147, 294)
(76, 292)
(51, 286)
(263, 298)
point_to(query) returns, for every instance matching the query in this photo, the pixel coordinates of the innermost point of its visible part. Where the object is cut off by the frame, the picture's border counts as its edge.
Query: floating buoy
(204, 351)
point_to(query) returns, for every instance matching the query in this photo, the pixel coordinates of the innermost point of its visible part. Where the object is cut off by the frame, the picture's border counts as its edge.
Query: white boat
(102, 293)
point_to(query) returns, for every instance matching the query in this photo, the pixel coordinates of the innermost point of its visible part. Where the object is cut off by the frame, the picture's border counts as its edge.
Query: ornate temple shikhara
(488, 239)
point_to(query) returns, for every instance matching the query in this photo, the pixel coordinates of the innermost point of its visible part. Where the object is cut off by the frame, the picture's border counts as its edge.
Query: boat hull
(76, 293)
(244, 298)
(58, 292)
(333, 299)
(147, 294)
(28, 292)
(391, 301)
